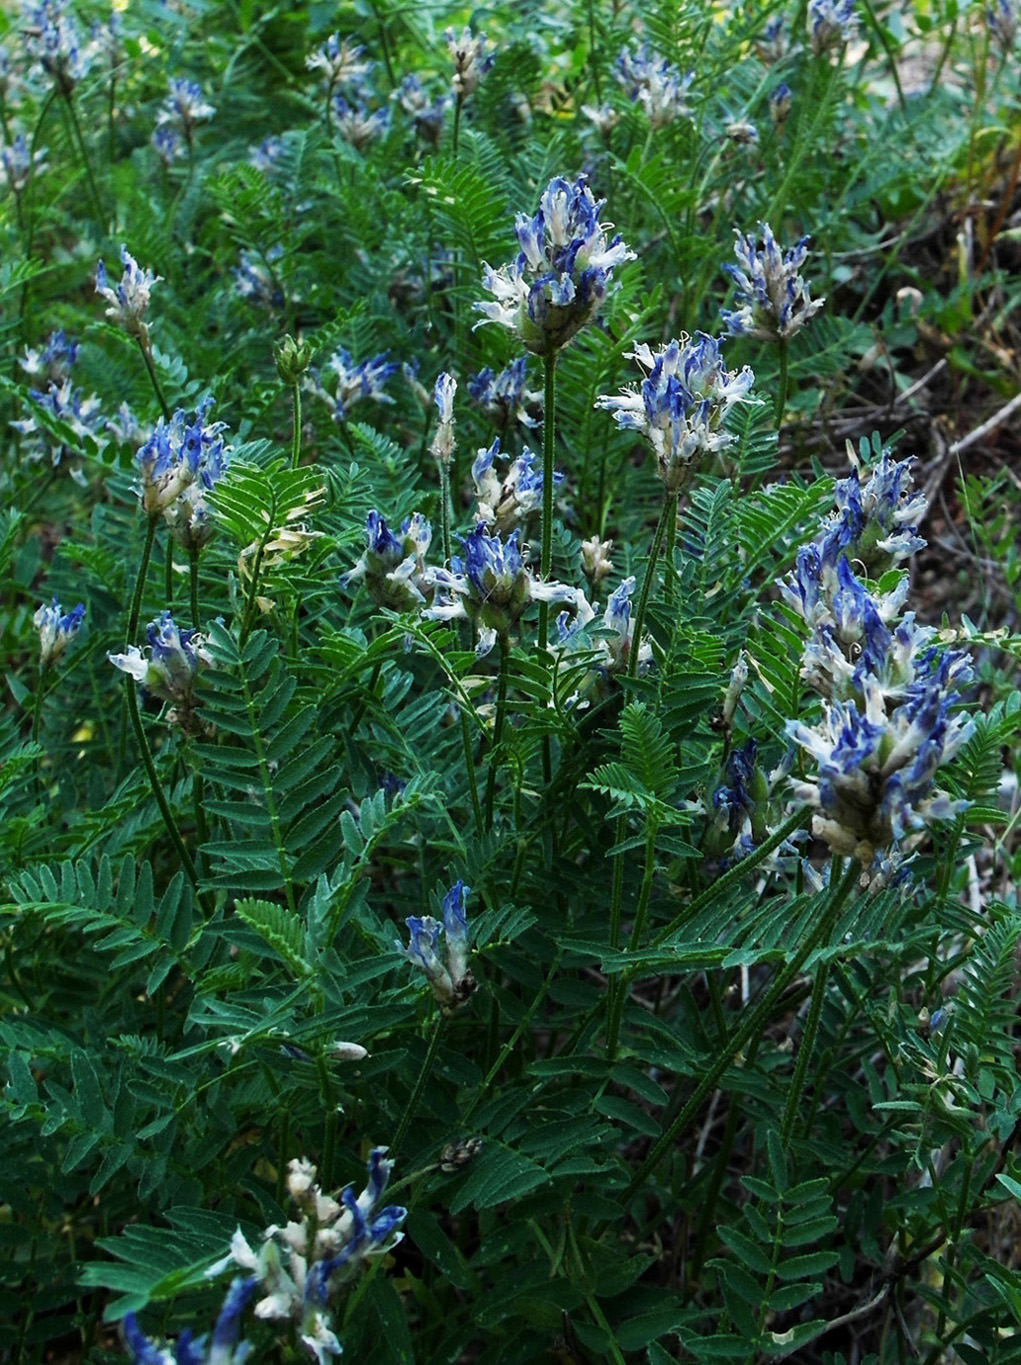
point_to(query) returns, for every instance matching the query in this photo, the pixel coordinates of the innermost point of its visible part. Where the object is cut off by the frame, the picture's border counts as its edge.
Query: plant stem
(457, 119)
(549, 438)
(755, 1021)
(469, 763)
(445, 507)
(86, 163)
(805, 1049)
(781, 384)
(501, 710)
(144, 347)
(295, 425)
(157, 789)
(416, 1094)
(621, 983)
(193, 578)
(669, 511)
(143, 568)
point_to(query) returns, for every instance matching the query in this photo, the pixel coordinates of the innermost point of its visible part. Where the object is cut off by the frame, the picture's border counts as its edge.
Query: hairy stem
(668, 513)
(416, 1094)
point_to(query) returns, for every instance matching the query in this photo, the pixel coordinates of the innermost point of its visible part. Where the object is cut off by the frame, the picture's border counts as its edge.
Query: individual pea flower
(492, 587)
(356, 123)
(393, 567)
(655, 84)
(266, 154)
(681, 403)
(188, 515)
(738, 804)
(595, 559)
(773, 300)
(19, 164)
(442, 446)
(52, 40)
(184, 107)
(56, 630)
(255, 280)
(771, 45)
(736, 685)
(428, 112)
(877, 522)
(780, 104)
(168, 669)
(561, 275)
(741, 132)
(129, 298)
(354, 382)
(166, 141)
(603, 117)
(472, 56)
(450, 978)
(1003, 18)
(832, 22)
(126, 429)
(506, 397)
(505, 501)
(177, 454)
(54, 361)
(301, 1266)
(222, 1348)
(618, 624)
(340, 61)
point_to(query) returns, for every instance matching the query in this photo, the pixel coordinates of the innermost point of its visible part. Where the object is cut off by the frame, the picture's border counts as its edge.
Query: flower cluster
(472, 57)
(19, 163)
(832, 22)
(655, 84)
(505, 501)
(773, 300)
(885, 726)
(169, 670)
(183, 108)
(354, 382)
(442, 445)
(428, 112)
(393, 568)
(56, 630)
(560, 277)
(179, 463)
(54, 361)
(357, 124)
(52, 40)
(222, 1349)
(506, 397)
(339, 60)
(254, 279)
(129, 298)
(780, 104)
(681, 403)
(68, 406)
(450, 978)
(1004, 18)
(492, 587)
(301, 1266)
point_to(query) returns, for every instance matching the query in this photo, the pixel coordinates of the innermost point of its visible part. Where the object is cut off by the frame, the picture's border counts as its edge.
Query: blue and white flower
(56, 630)
(561, 275)
(780, 99)
(356, 123)
(19, 164)
(255, 280)
(772, 45)
(70, 407)
(222, 1348)
(52, 40)
(493, 587)
(449, 976)
(179, 453)
(428, 112)
(443, 441)
(129, 298)
(1004, 18)
(681, 403)
(472, 56)
(166, 141)
(506, 397)
(773, 299)
(54, 361)
(301, 1266)
(504, 501)
(655, 84)
(168, 667)
(393, 567)
(832, 22)
(354, 383)
(184, 108)
(340, 61)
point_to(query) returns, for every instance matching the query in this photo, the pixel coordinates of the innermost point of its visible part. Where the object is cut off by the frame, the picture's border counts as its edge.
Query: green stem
(805, 1049)
(86, 163)
(330, 1125)
(416, 1094)
(549, 436)
(143, 568)
(457, 120)
(621, 983)
(168, 574)
(735, 874)
(193, 578)
(469, 763)
(501, 711)
(669, 512)
(295, 425)
(157, 789)
(445, 508)
(781, 385)
(145, 348)
(755, 1022)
